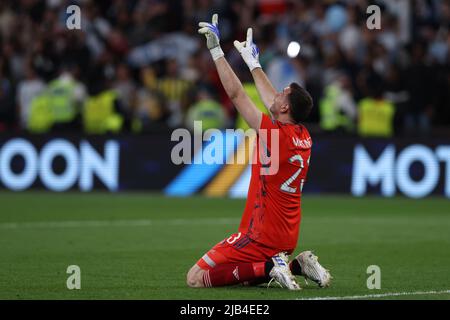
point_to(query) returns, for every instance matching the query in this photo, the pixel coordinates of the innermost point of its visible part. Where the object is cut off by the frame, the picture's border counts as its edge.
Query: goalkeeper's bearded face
(280, 103)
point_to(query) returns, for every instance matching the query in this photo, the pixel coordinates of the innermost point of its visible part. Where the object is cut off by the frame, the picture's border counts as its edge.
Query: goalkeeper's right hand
(249, 51)
(212, 34)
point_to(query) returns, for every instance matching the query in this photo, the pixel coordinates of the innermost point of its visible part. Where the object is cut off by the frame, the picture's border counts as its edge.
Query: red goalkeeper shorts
(234, 249)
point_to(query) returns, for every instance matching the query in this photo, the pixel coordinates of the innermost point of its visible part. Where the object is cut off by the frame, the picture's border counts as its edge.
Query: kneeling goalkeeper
(269, 228)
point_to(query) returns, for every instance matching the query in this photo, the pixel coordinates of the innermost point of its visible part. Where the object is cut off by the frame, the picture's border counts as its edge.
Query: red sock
(234, 273)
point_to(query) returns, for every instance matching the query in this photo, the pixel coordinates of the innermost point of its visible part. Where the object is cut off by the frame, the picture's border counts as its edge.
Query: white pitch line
(381, 295)
(116, 223)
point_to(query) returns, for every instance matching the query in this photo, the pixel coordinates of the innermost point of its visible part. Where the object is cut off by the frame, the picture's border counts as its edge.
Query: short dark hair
(300, 103)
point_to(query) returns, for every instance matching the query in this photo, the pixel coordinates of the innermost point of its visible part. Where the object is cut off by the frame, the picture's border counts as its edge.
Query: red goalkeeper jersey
(272, 213)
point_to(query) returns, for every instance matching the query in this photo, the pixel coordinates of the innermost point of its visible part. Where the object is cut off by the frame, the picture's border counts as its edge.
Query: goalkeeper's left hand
(211, 31)
(249, 51)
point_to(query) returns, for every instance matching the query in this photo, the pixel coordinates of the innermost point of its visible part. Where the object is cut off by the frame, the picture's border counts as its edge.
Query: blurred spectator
(337, 107)
(125, 87)
(351, 36)
(419, 84)
(28, 89)
(283, 70)
(7, 116)
(174, 88)
(151, 109)
(206, 110)
(58, 108)
(395, 92)
(442, 97)
(102, 113)
(376, 115)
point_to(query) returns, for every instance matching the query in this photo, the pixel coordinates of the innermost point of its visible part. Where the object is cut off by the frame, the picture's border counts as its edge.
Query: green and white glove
(249, 51)
(211, 31)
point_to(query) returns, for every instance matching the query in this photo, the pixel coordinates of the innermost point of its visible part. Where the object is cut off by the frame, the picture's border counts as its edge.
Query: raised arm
(265, 88)
(250, 53)
(232, 85)
(235, 91)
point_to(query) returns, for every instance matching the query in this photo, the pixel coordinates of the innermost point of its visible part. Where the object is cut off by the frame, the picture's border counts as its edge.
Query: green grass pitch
(140, 246)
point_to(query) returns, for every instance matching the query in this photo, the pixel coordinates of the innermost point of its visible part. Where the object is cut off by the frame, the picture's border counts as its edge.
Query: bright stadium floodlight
(293, 49)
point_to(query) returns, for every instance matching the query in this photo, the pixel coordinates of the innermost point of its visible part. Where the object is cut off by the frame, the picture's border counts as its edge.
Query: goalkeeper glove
(249, 51)
(211, 31)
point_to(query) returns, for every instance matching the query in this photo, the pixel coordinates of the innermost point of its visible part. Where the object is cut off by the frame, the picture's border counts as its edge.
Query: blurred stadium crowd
(140, 66)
